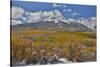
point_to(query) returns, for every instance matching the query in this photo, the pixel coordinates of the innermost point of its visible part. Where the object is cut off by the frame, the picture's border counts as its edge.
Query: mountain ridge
(23, 17)
(52, 26)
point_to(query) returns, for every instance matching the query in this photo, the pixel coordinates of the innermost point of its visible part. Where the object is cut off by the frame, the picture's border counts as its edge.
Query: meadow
(35, 45)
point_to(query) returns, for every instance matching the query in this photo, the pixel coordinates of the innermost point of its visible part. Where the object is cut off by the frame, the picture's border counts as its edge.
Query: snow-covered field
(59, 61)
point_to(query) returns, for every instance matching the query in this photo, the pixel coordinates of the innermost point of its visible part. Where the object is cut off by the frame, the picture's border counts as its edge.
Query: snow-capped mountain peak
(20, 16)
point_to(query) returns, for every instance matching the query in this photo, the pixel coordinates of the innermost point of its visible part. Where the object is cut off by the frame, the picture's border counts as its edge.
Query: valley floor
(51, 47)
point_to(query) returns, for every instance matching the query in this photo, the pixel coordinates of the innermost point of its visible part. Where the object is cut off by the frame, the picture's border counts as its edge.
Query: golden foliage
(66, 44)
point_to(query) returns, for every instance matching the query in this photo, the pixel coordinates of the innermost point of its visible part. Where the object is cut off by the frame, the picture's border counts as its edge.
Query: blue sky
(66, 9)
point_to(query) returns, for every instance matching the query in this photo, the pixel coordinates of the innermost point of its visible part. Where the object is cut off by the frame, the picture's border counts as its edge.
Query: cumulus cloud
(53, 15)
(17, 12)
(64, 10)
(19, 15)
(34, 16)
(14, 22)
(56, 5)
(44, 15)
(75, 14)
(93, 18)
(89, 22)
(57, 12)
(64, 6)
(59, 5)
(67, 10)
(71, 20)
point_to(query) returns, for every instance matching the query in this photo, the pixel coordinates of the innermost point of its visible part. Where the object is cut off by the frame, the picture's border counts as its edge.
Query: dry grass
(76, 46)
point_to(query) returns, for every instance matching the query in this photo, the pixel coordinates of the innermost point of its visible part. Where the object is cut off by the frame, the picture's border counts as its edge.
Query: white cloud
(54, 15)
(57, 12)
(64, 10)
(71, 20)
(69, 10)
(75, 14)
(44, 15)
(17, 12)
(14, 22)
(64, 6)
(93, 18)
(89, 22)
(56, 5)
(59, 5)
(25, 16)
